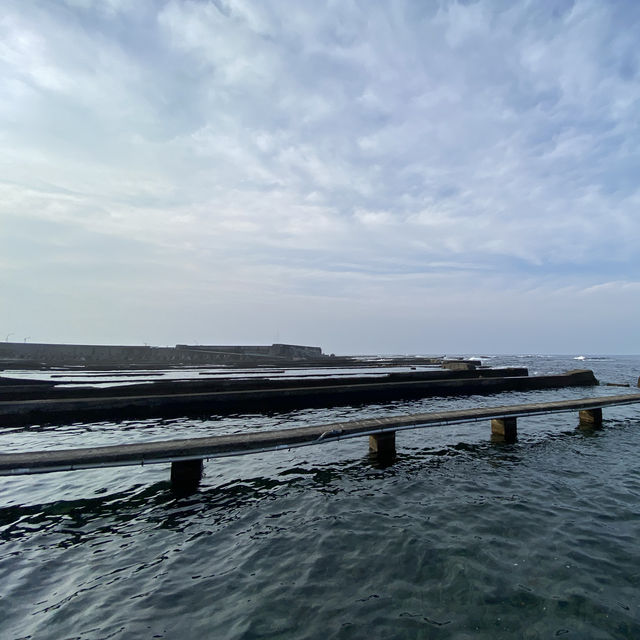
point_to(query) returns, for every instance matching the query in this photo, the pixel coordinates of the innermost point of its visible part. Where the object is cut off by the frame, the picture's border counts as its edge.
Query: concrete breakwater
(21, 389)
(44, 406)
(42, 355)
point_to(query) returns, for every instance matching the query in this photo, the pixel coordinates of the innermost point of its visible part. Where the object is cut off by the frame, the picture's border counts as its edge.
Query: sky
(365, 176)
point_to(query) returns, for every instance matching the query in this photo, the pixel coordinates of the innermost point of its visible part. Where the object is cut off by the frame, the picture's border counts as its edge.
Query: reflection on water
(457, 538)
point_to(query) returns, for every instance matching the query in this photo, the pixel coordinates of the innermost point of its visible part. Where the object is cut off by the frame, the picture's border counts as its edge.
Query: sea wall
(122, 355)
(292, 351)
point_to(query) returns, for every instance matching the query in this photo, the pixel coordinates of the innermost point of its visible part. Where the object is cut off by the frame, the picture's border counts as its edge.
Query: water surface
(460, 538)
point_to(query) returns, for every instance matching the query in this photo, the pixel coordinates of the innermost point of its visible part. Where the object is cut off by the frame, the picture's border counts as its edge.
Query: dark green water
(460, 538)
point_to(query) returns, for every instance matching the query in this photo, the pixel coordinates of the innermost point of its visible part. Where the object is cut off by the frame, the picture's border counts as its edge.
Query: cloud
(329, 152)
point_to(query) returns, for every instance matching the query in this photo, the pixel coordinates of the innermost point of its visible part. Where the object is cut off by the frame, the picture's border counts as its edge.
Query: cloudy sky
(367, 176)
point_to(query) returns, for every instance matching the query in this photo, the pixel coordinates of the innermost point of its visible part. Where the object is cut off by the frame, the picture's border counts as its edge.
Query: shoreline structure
(327, 381)
(248, 383)
(39, 355)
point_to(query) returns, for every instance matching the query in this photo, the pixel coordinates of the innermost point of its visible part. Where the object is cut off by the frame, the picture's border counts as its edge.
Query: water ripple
(459, 538)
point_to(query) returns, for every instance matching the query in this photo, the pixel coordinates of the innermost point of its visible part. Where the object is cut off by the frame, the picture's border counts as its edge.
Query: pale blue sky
(417, 177)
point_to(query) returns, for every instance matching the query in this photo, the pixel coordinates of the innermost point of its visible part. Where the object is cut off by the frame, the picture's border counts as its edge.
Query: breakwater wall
(38, 355)
(288, 351)
(20, 389)
(262, 398)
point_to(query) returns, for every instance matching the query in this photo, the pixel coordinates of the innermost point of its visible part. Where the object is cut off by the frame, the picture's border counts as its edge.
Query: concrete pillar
(383, 443)
(186, 475)
(504, 429)
(591, 418)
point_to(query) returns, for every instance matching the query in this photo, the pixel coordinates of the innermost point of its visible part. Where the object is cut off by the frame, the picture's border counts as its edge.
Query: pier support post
(504, 429)
(186, 475)
(590, 418)
(383, 443)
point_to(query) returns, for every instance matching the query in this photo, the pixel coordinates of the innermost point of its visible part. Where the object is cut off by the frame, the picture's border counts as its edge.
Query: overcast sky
(392, 177)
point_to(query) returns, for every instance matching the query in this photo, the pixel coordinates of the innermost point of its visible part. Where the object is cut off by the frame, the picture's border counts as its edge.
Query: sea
(460, 537)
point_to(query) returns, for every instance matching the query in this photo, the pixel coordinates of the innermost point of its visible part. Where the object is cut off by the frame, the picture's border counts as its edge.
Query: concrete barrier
(22, 412)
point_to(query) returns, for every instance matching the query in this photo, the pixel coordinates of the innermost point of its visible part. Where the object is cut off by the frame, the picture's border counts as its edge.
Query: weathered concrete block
(459, 365)
(591, 418)
(383, 443)
(186, 475)
(504, 429)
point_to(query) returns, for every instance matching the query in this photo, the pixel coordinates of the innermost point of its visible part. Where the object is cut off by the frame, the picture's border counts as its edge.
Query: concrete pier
(591, 418)
(383, 444)
(186, 475)
(504, 429)
(186, 455)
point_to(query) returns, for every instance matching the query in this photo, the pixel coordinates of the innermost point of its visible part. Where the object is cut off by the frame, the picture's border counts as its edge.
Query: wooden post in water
(591, 418)
(383, 443)
(504, 429)
(186, 475)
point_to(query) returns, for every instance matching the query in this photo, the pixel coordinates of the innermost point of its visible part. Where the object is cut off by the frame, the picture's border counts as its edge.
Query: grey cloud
(318, 148)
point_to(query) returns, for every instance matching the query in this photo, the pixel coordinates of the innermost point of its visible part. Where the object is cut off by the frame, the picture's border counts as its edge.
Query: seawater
(459, 538)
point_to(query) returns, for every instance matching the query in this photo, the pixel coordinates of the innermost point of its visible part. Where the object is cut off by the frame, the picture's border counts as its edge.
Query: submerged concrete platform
(55, 389)
(101, 407)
